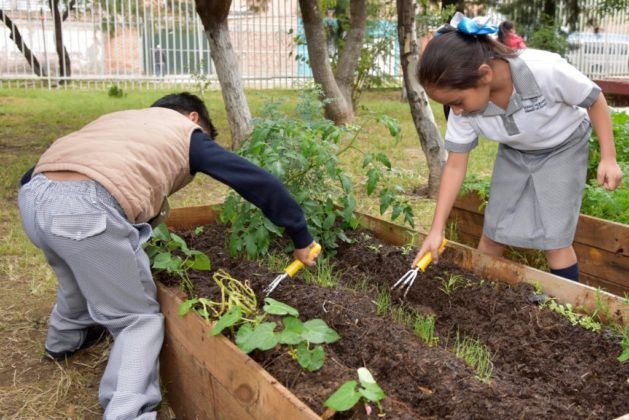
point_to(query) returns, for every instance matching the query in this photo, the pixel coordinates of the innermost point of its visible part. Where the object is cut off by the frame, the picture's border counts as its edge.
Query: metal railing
(150, 43)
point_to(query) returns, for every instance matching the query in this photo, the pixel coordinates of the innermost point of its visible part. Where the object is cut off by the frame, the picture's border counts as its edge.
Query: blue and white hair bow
(477, 26)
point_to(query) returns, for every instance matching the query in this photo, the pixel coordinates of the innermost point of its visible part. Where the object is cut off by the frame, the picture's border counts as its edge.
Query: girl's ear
(486, 73)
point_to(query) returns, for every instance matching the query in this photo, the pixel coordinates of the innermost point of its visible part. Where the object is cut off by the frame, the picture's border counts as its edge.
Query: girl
(507, 36)
(539, 108)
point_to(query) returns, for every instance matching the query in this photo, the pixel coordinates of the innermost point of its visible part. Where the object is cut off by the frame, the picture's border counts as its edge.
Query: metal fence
(149, 43)
(155, 42)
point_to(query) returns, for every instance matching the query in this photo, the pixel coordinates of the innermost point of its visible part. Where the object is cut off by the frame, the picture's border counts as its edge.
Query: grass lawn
(30, 120)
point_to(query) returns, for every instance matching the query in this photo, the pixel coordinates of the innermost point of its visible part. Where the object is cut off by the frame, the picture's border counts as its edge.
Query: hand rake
(291, 270)
(409, 278)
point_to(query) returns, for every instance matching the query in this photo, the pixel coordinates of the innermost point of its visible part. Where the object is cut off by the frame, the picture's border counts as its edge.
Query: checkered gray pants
(104, 278)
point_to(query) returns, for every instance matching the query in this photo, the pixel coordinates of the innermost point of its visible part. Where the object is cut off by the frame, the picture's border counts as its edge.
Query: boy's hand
(303, 255)
(609, 174)
(431, 244)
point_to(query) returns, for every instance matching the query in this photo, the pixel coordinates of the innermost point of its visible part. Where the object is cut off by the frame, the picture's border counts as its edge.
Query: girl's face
(470, 101)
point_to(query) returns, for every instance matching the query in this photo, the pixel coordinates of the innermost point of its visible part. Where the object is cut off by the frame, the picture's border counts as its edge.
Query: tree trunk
(62, 53)
(350, 56)
(429, 137)
(339, 108)
(16, 36)
(213, 14)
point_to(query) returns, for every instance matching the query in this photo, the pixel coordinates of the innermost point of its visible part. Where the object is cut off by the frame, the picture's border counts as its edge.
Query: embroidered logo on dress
(535, 104)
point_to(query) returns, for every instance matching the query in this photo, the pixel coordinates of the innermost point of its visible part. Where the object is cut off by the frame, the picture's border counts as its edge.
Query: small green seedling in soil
(410, 246)
(425, 328)
(375, 247)
(350, 393)
(475, 354)
(383, 302)
(451, 284)
(199, 230)
(624, 356)
(321, 274)
(584, 321)
(169, 252)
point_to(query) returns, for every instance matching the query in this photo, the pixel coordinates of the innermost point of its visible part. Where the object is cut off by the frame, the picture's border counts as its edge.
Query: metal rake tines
(406, 280)
(276, 281)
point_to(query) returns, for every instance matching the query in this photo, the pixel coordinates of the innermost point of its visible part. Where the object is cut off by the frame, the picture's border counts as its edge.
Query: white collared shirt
(548, 104)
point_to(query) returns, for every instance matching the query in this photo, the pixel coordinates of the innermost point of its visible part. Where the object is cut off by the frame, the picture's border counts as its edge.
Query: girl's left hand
(609, 174)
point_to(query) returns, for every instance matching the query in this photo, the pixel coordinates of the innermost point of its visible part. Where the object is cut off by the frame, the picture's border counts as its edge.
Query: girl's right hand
(431, 244)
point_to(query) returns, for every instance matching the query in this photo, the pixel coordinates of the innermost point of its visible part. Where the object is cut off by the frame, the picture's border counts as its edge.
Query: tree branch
(16, 36)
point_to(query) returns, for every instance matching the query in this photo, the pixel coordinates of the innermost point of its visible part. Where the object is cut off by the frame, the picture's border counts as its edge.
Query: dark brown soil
(543, 366)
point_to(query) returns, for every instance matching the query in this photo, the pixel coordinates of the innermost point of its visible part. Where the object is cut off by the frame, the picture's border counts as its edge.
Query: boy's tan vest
(139, 156)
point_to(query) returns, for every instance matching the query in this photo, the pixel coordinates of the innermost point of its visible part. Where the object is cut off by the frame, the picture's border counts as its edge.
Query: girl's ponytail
(453, 57)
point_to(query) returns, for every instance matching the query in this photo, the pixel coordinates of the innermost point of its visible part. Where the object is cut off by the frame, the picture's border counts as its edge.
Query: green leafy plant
(567, 311)
(550, 38)
(383, 301)
(304, 339)
(452, 283)
(351, 392)
(624, 356)
(304, 154)
(321, 274)
(425, 328)
(169, 252)
(115, 91)
(475, 354)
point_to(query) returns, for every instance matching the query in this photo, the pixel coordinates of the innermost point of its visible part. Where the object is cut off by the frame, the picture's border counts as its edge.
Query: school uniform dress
(540, 169)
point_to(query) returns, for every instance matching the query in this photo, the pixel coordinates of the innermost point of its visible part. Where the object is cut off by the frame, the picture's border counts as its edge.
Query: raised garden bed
(543, 366)
(602, 246)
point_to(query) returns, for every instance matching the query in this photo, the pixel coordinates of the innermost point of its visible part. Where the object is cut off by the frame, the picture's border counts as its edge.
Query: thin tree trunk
(64, 58)
(350, 56)
(339, 108)
(213, 15)
(429, 137)
(16, 36)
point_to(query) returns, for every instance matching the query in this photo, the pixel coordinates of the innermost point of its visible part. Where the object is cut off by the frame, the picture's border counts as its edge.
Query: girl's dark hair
(186, 103)
(451, 59)
(503, 29)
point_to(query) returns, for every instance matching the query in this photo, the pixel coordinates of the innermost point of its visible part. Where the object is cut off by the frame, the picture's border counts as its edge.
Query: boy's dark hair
(451, 59)
(186, 103)
(503, 29)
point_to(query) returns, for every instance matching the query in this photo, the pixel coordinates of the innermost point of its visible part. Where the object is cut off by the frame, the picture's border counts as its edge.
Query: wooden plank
(501, 269)
(614, 87)
(467, 221)
(191, 217)
(603, 234)
(592, 231)
(227, 382)
(595, 281)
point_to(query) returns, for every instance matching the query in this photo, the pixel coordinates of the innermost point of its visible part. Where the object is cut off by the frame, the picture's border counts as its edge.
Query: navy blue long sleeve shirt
(253, 183)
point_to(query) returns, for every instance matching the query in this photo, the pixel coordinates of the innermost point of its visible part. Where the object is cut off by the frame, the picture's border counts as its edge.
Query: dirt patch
(543, 367)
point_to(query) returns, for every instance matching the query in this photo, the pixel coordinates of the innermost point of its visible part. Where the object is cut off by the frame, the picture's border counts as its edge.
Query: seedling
(475, 354)
(451, 284)
(350, 393)
(425, 328)
(383, 302)
(321, 274)
(304, 339)
(169, 252)
(624, 356)
(584, 321)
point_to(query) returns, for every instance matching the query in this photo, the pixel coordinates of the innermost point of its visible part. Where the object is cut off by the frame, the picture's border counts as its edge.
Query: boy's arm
(253, 183)
(609, 174)
(451, 180)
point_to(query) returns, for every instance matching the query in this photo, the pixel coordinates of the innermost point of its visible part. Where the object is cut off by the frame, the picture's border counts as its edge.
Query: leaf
(291, 334)
(317, 331)
(372, 392)
(200, 262)
(344, 398)
(373, 175)
(181, 244)
(274, 307)
(163, 260)
(384, 159)
(228, 319)
(199, 230)
(364, 376)
(186, 305)
(624, 356)
(346, 183)
(261, 337)
(310, 360)
(161, 232)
